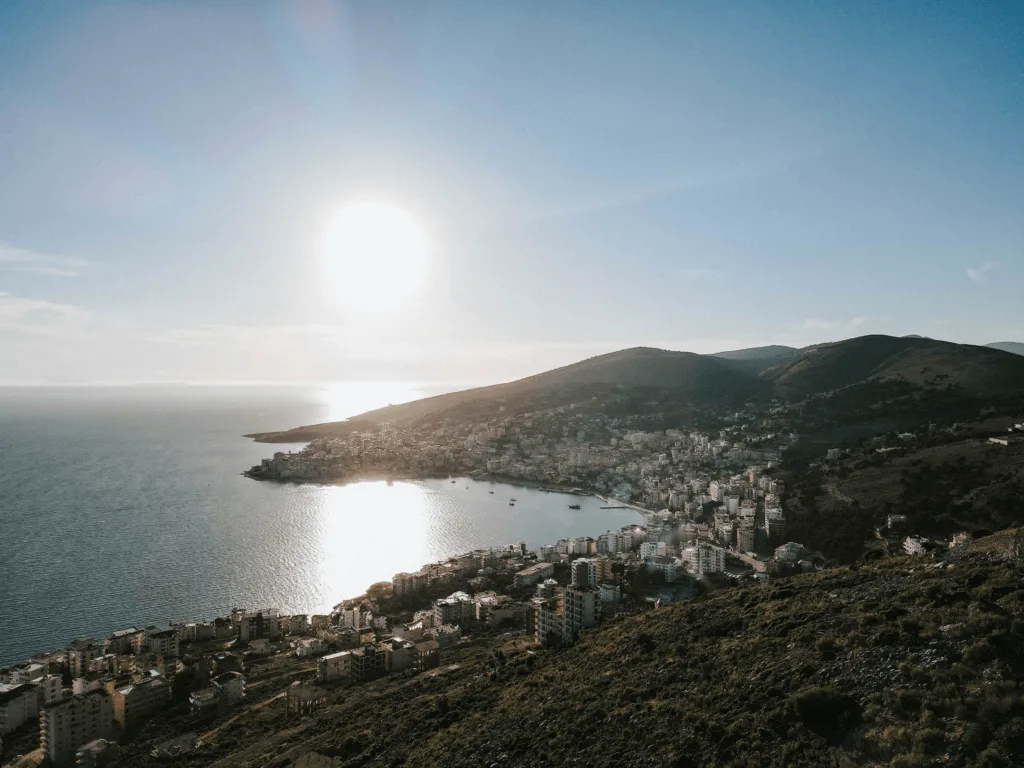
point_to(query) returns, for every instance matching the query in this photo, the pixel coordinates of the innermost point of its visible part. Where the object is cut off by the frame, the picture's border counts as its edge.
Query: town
(713, 510)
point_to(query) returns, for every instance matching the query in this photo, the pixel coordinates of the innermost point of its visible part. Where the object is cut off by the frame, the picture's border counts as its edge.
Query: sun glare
(375, 255)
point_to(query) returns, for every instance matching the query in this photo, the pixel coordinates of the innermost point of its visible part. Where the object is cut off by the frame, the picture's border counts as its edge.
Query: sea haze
(126, 505)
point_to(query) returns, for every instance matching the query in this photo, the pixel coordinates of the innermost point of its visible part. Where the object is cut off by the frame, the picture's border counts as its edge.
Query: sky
(586, 177)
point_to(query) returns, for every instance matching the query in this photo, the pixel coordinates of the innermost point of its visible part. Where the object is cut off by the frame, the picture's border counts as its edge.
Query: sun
(375, 255)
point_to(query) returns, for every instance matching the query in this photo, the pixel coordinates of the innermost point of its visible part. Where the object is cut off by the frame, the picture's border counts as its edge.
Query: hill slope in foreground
(905, 662)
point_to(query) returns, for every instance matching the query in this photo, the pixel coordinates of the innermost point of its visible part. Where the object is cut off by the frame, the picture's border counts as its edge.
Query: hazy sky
(588, 176)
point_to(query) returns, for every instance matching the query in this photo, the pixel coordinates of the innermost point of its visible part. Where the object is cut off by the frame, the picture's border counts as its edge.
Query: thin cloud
(977, 274)
(16, 259)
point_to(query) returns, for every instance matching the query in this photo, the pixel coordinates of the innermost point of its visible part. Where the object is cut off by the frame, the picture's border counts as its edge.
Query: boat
(491, 492)
(511, 499)
(574, 506)
(452, 482)
(511, 503)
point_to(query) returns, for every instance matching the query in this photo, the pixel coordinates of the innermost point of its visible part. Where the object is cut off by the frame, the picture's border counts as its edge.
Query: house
(458, 608)
(162, 641)
(308, 646)
(579, 611)
(232, 686)
(533, 574)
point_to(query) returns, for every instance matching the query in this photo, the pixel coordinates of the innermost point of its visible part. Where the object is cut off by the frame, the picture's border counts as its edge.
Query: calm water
(122, 506)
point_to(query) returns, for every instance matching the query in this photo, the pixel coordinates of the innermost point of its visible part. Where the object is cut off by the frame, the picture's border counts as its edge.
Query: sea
(126, 506)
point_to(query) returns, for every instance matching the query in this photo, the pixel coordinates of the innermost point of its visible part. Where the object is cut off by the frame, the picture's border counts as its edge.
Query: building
(135, 702)
(833, 454)
(666, 566)
(428, 655)
(458, 608)
(96, 753)
(335, 666)
(583, 572)
(705, 558)
(401, 655)
(547, 621)
(124, 641)
(746, 538)
(579, 611)
(369, 662)
(409, 583)
(19, 703)
(304, 698)
(80, 656)
(790, 552)
(164, 642)
(259, 624)
(232, 687)
(533, 574)
(915, 545)
(610, 594)
(67, 724)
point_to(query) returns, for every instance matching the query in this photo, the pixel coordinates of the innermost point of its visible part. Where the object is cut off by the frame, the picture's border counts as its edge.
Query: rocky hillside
(906, 662)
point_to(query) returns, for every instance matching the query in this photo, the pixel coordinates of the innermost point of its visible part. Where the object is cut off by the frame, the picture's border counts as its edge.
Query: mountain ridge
(728, 378)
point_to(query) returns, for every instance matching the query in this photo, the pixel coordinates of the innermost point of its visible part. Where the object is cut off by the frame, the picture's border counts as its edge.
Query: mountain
(917, 362)
(756, 360)
(681, 376)
(654, 377)
(1013, 347)
(900, 662)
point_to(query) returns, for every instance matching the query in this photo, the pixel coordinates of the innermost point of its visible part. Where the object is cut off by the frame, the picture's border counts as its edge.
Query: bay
(125, 505)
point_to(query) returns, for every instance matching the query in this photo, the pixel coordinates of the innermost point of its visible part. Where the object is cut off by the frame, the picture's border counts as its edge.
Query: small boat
(574, 506)
(511, 503)
(452, 482)
(511, 499)
(491, 492)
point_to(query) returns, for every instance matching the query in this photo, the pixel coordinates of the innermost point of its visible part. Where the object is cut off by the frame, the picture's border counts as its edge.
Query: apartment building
(579, 611)
(705, 558)
(163, 642)
(335, 666)
(369, 662)
(135, 702)
(68, 723)
(259, 624)
(534, 574)
(80, 656)
(18, 704)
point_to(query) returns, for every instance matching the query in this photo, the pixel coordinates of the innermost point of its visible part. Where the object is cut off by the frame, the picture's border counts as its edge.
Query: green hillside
(903, 663)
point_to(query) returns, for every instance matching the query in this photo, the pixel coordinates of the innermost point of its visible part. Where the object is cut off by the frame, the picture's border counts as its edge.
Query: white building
(704, 557)
(790, 552)
(533, 574)
(915, 545)
(335, 666)
(666, 566)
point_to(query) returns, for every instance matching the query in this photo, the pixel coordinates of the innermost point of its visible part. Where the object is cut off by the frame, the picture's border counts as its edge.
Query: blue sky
(591, 176)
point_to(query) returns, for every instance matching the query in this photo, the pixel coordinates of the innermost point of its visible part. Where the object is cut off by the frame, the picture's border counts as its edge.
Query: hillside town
(713, 516)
